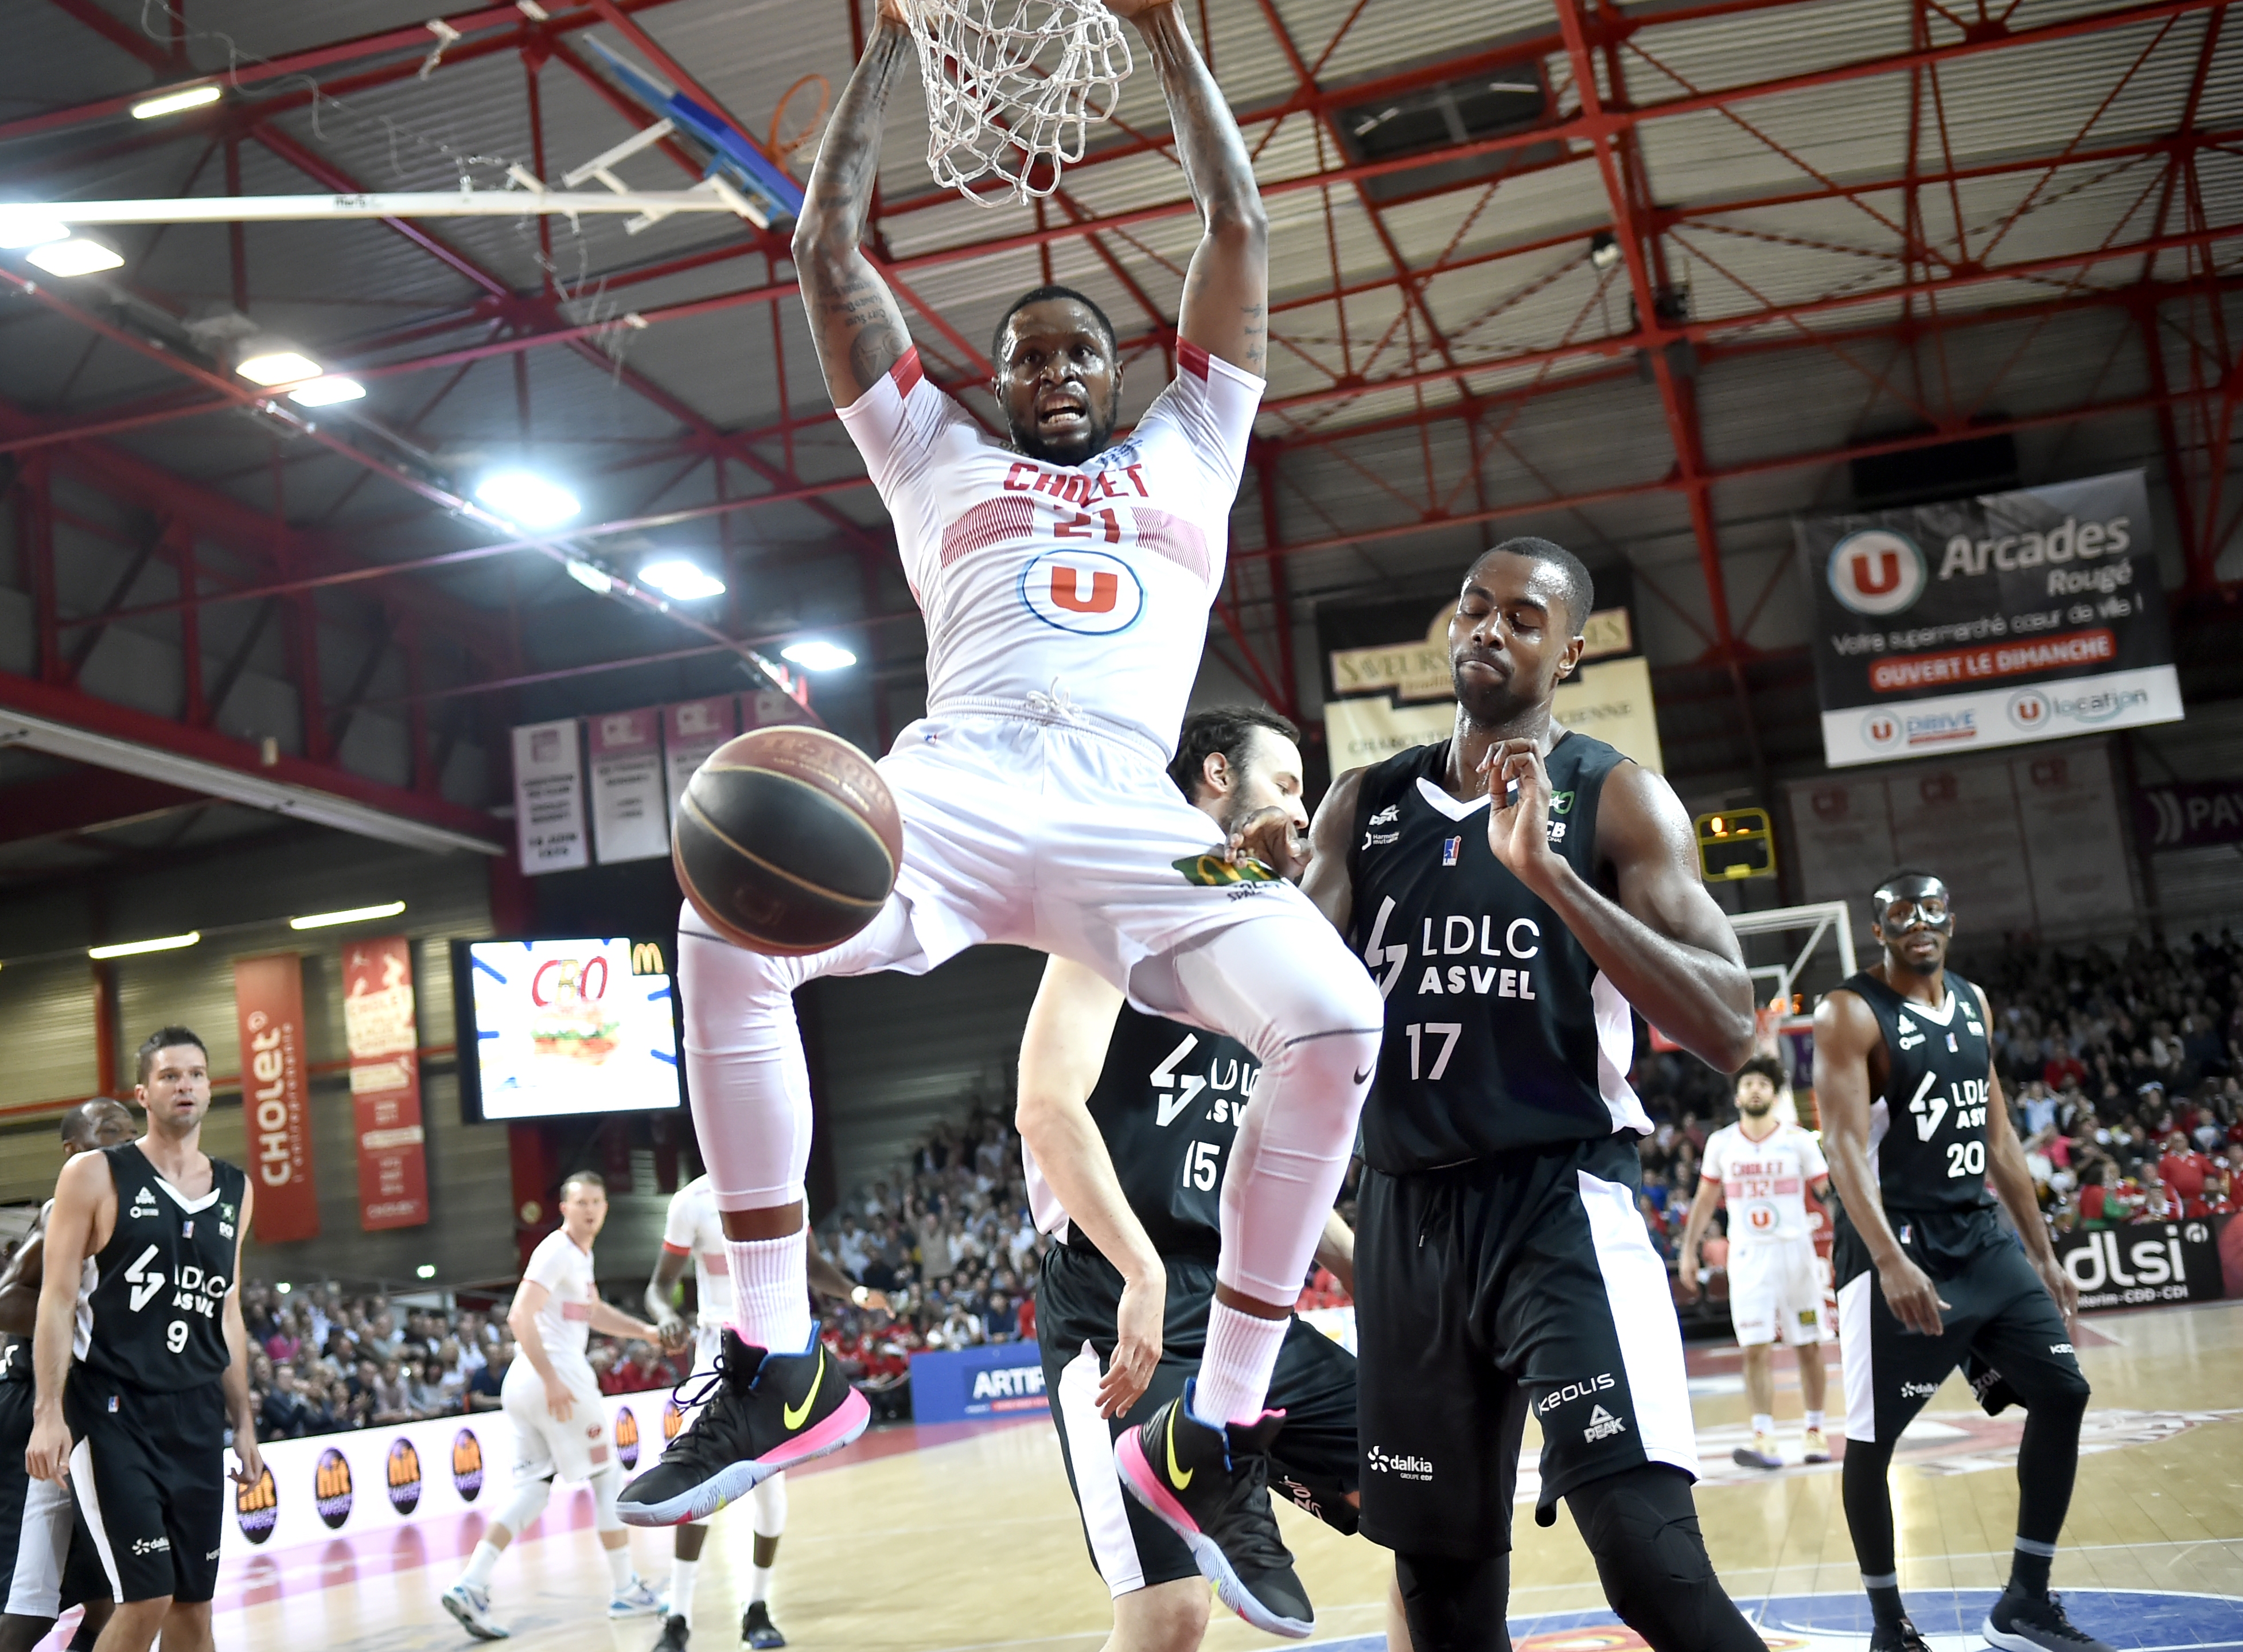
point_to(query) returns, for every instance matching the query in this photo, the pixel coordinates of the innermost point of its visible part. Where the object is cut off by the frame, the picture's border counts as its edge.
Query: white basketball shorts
(1776, 1292)
(546, 1447)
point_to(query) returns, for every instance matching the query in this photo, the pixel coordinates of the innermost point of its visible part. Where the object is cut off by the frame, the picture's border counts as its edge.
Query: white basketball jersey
(1763, 1181)
(694, 1225)
(564, 1324)
(1093, 581)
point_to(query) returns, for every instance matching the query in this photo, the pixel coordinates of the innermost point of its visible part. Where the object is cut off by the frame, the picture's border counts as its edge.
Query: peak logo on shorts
(1602, 1425)
(331, 1488)
(1407, 1465)
(257, 1506)
(467, 1465)
(1602, 1383)
(403, 1473)
(1086, 592)
(626, 1437)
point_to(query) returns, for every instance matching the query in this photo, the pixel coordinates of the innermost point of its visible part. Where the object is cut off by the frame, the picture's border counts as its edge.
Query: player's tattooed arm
(1226, 303)
(853, 317)
(1328, 882)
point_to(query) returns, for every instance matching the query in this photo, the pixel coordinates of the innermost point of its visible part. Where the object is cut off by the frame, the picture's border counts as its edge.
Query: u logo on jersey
(1086, 592)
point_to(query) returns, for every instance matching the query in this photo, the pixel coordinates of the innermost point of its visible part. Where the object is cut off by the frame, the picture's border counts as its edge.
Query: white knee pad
(607, 1485)
(770, 1506)
(527, 1503)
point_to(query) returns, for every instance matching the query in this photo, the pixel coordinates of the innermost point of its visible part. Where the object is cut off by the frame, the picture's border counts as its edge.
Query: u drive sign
(2034, 615)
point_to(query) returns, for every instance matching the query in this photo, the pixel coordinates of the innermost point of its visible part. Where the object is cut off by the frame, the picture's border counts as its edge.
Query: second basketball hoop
(1010, 83)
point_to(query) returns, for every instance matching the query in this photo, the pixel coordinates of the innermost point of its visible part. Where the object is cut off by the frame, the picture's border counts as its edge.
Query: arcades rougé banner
(2034, 615)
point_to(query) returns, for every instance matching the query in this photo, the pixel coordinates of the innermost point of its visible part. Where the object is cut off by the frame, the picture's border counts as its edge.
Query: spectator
(426, 1393)
(392, 1402)
(483, 1388)
(1000, 1323)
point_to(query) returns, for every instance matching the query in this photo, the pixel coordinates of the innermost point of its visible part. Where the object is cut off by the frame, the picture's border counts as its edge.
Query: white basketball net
(1011, 81)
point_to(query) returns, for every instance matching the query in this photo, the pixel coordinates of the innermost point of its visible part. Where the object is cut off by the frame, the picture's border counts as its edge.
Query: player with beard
(1065, 576)
(136, 1389)
(1917, 1127)
(1516, 889)
(55, 1565)
(1761, 1165)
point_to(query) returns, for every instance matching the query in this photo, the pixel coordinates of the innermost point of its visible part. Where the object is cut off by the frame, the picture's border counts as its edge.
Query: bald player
(53, 1565)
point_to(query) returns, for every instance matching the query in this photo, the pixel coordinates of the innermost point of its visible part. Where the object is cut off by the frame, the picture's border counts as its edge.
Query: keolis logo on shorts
(1602, 1383)
(1403, 1463)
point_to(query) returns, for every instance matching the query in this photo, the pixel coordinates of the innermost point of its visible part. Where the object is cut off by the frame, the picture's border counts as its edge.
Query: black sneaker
(757, 1629)
(673, 1634)
(764, 1412)
(2022, 1623)
(1211, 1488)
(1902, 1638)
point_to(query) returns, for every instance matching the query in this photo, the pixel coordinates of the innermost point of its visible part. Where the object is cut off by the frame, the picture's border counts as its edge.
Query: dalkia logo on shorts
(331, 1488)
(1602, 1425)
(257, 1506)
(1402, 1463)
(404, 1471)
(1918, 1390)
(626, 1437)
(467, 1465)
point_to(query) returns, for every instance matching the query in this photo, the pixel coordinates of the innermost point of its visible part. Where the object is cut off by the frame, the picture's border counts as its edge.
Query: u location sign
(2009, 618)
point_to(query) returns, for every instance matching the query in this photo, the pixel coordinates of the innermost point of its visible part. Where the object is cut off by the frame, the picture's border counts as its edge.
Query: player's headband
(1913, 899)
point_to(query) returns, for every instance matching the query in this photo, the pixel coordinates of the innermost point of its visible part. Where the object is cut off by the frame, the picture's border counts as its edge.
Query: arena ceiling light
(134, 949)
(172, 103)
(80, 255)
(355, 915)
(687, 581)
(527, 500)
(325, 391)
(27, 226)
(815, 654)
(598, 581)
(1603, 251)
(278, 366)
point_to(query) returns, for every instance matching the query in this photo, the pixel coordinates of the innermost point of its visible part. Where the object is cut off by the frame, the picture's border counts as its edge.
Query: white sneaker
(635, 1599)
(471, 1606)
(1762, 1453)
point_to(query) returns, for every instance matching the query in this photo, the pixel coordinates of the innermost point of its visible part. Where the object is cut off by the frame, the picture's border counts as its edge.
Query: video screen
(562, 1027)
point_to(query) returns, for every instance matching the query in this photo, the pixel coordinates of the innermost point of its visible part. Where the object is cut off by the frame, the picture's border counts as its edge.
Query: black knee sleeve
(1455, 1606)
(1642, 1527)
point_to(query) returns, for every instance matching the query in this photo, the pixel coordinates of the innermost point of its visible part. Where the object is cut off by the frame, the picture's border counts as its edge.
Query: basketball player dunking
(54, 1563)
(135, 1394)
(1127, 1122)
(1065, 578)
(1916, 1126)
(1501, 1261)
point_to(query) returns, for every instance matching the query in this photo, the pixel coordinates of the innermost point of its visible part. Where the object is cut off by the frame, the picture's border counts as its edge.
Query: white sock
(770, 1282)
(480, 1565)
(759, 1578)
(1234, 1372)
(1762, 1422)
(1814, 1422)
(681, 1589)
(619, 1567)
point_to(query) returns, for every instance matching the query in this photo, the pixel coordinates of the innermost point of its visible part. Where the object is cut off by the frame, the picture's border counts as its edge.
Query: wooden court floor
(973, 1542)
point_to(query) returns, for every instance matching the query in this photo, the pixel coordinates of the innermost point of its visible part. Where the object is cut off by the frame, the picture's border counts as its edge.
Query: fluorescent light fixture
(277, 367)
(527, 500)
(1603, 251)
(425, 1271)
(20, 228)
(356, 914)
(817, 655)
(132, 948)
(170, 103)
(80, 255)
(284, 1287)
(591, 578)
(687, 581)
(325, 393)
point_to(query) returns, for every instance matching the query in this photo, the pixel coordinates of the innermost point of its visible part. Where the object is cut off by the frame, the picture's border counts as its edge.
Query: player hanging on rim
(1760, 1164)
(1127, 1120)
(54, 1565)
(1916, 1126)
(1067, 580)
(690, 1231)
(136, 1390)
(1502, 1261)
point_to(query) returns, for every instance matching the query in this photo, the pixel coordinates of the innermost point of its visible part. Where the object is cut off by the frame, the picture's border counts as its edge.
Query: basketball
(787, 841)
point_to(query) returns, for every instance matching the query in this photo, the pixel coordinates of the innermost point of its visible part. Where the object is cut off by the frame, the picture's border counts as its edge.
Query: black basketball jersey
(160, 1282)
(1501, 1033)
(1928, 1127)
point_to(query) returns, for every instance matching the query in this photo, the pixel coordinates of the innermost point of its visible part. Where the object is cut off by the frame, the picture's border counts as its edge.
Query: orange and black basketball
(787, 841)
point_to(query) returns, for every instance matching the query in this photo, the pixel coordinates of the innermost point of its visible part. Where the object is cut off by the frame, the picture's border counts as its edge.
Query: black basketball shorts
(1999, 1320)
(1520, 1282)
(1313, 1460)
(149, 1471)
(53, 1565)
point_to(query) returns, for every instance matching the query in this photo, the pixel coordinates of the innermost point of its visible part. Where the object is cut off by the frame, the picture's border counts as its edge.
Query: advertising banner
(2190, 814)
(548, 798)
(569, 1027)
(2138, 1264)
(2027, 615)
(268, 1003)
(960, 1384)
(691, 729)
(630, 816)
(382, 1035)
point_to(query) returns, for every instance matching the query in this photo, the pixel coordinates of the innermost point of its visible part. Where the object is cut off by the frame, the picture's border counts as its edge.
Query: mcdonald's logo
(626, 1437)
(467, 1465)
(257, 1506)
(331, 1488)
(646, 959)
(404, 1470)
